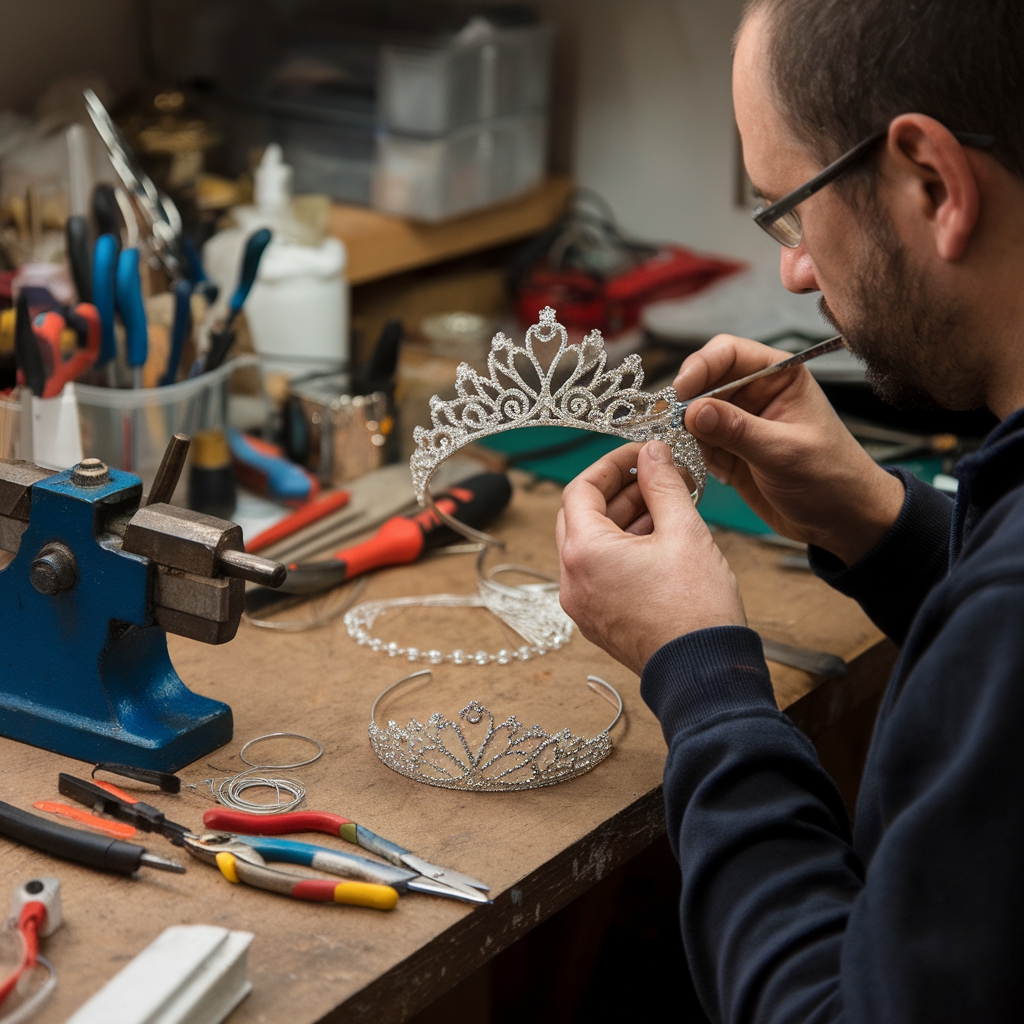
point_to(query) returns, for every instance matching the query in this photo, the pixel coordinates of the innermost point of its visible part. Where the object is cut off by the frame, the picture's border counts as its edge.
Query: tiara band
(575, 391)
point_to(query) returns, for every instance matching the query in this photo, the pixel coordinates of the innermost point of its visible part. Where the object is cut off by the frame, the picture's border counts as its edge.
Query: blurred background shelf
(380, 245)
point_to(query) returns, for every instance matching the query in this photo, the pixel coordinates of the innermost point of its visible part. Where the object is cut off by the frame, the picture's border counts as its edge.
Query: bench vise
(98, 579)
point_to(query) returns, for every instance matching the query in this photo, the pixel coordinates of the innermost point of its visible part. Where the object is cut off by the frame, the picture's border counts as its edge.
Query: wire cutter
(240, 861)
(454, 882)
(105, 798)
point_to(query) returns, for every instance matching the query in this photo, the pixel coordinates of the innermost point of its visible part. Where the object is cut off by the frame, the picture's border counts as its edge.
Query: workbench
(537, 849)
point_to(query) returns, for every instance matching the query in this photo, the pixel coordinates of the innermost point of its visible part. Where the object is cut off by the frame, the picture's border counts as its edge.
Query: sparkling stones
(503, 657)
(435, 657)
(482, 658)
(412, 654)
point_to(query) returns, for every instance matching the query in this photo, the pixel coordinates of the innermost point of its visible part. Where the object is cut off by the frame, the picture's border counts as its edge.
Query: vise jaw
(85, 604)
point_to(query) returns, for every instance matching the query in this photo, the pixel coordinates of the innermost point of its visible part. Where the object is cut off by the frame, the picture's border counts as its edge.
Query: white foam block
(190, 974)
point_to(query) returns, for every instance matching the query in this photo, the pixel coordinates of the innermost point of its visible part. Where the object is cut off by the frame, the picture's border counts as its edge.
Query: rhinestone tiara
(575, 391)
(474, 754)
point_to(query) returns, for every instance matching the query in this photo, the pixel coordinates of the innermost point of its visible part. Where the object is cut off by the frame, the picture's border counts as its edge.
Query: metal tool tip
(161, 864)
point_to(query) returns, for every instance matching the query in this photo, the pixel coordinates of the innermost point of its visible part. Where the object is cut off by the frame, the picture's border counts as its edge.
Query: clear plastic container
(481, 73)
(473, 166)
(129, 429)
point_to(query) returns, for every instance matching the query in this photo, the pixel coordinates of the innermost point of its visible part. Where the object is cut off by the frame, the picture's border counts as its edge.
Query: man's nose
(797, 271)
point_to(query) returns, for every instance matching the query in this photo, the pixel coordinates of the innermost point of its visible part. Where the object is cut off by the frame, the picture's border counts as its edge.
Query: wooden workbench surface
(537, 849)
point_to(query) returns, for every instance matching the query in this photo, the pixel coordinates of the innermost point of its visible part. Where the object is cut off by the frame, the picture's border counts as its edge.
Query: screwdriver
(94, 851)
(400, 540)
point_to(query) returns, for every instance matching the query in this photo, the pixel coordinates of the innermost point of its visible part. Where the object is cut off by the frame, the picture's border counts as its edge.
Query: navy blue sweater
(916, 916)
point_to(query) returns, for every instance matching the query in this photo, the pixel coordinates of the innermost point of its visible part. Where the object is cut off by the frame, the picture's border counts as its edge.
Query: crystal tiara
(474, 754)
(575, 391)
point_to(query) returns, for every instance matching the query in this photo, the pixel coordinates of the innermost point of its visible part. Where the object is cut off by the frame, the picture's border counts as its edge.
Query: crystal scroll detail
(576, 390)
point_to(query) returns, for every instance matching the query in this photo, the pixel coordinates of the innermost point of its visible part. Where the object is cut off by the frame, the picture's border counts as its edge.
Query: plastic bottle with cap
(298, 307)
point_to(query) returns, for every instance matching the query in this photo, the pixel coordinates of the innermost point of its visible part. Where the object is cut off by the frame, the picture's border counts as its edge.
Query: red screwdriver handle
(274, 824)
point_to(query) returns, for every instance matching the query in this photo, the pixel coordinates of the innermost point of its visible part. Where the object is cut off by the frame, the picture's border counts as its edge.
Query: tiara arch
(509, 758)
(519, 392)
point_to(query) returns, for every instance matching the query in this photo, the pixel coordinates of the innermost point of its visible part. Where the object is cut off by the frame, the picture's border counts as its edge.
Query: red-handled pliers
(336, 825)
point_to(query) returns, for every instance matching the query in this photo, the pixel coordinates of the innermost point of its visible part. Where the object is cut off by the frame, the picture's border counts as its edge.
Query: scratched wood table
(537, 849)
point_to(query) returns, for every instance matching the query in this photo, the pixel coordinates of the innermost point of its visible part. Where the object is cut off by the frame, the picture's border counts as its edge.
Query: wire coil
(229, 791)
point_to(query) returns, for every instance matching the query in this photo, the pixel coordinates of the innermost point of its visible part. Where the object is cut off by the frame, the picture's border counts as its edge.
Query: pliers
(451, 883)
(240, 861)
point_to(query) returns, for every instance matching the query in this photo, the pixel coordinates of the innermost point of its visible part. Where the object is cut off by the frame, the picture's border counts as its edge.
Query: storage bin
(473, 166)
(481, 73)
(129, 429)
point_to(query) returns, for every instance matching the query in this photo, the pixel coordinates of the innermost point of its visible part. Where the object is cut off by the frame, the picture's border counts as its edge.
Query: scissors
(454, 882)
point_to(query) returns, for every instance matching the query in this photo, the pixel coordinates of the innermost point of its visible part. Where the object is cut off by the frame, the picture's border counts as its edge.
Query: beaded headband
(576, 390)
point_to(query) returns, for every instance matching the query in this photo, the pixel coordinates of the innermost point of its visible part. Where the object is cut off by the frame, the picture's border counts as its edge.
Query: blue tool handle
(179, 331)
(334, 862)
(254, 247)
(104, 269)
(284, 479)
(379, 845)
(131, 307)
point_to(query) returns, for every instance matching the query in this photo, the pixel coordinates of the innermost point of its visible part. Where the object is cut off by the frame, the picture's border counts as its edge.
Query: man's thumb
(665, 493)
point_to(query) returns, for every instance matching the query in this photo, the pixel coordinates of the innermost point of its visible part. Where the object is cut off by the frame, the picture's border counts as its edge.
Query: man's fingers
(597, 485)
(642, 525)
(627, 505)
(720, 424)
(723, 359)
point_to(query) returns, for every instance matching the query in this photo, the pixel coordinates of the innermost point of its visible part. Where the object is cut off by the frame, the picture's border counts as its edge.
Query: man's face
(874, 291)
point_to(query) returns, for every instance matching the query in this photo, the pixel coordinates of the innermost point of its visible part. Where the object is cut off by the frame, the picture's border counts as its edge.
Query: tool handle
(73, 844)
(26, 347)
(368, 840)
(179, 330)
(284, 480)
(303, 517)
(334, 862)
(274, 824)
(128, 290)
(254, 247)
(403, 539)
(104, 273)
(316, 890)
(79, 255)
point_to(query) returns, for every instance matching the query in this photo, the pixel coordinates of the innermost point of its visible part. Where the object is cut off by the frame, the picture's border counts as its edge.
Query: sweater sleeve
(892, 579)
(782, 922)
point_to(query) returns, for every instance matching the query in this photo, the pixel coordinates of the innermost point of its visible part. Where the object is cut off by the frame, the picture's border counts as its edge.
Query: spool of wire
(229, 791)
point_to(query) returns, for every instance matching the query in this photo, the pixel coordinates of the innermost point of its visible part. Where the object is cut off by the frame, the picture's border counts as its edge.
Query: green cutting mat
(578, 449)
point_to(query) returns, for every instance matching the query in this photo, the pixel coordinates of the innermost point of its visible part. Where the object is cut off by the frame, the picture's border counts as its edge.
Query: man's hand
(780, 443)
(639, 566)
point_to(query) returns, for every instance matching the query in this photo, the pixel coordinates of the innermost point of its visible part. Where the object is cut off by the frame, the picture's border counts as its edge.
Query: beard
(913, 341)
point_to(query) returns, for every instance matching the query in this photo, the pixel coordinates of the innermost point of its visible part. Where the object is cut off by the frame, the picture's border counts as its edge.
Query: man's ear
(937, 171)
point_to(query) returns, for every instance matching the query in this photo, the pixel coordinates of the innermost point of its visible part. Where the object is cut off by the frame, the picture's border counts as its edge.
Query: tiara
(575, 391)
(508, 758)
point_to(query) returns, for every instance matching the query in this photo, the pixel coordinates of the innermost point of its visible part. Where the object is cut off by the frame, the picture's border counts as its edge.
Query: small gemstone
(524, 653)
(482, 658)
(412, 653)
(457, 657)
(434, 657)
(503, 657)
(376, 644)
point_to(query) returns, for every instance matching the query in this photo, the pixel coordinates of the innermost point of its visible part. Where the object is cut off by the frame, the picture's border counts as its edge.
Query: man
(917, 246)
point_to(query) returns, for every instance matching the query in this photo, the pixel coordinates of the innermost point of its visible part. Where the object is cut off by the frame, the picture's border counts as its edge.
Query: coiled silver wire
(229, 791)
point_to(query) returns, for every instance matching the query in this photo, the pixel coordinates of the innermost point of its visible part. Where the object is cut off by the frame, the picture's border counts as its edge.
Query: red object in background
(585, 302)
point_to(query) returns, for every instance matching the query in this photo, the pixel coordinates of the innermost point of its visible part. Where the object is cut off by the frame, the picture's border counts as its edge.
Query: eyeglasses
(781, 220)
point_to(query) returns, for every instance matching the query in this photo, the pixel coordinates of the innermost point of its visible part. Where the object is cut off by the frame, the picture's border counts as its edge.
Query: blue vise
(85, 606)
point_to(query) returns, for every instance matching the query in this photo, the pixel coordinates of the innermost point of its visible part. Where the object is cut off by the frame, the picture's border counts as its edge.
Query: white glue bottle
(298, 308)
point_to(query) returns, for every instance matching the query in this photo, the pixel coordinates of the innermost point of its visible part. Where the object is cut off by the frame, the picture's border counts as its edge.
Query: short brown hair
(843, 69)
